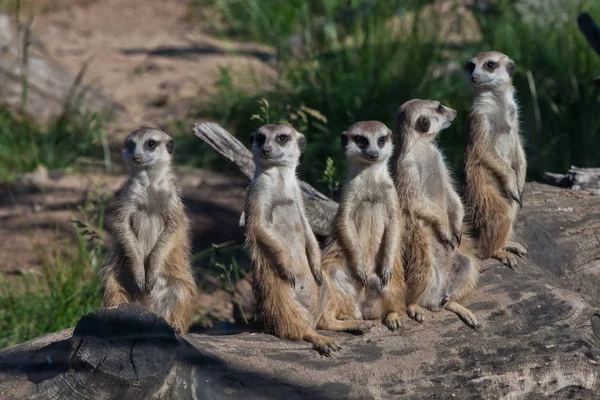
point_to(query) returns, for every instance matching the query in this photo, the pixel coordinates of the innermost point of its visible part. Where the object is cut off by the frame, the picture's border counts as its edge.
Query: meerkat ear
(511, 67)
(301, 142)
(344, 140)
(423, 124)
(170, 146)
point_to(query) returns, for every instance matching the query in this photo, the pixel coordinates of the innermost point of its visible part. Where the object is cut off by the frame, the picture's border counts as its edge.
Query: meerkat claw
(458, 237)
(362, 276)
(386, 276)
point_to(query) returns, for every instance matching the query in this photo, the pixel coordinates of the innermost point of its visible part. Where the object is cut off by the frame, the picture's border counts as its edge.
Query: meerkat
(149, 262)
(495, 164)
(441, 269)
(286, 258)
(362, 255)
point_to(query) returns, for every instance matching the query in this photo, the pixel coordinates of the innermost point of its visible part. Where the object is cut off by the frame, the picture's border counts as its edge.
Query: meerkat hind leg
(348, 325)
(516, 248)
(323, 344)
(465, 315)
(392, 321)
(416, 312)
(506, 258)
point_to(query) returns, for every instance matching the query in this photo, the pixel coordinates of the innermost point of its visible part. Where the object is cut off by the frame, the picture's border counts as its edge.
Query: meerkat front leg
(270, 242)
(436, 218)
(456, 213)
(391, 239)
(349, 240)
(156, 259)
(132, 253)
(521, 170)
(313, 252)
(505, 174)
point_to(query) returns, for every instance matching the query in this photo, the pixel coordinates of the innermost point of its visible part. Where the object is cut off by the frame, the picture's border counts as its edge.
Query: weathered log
(49, 88)
(320, 208)
(587, 179)
(540, 339)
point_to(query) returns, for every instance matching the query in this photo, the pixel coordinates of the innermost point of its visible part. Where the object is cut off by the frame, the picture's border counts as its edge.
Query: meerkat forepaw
(386, 275)
(318, 275)
(361, 273)
(289, 277)
(521, 194)
(516, 197)
(458, 236)
(150, 283)
(140, 282)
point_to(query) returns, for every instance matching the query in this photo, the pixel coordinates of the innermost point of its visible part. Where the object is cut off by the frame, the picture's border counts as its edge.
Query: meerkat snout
(148, 147)
(489, 69)
(277, 144)
(367, 141)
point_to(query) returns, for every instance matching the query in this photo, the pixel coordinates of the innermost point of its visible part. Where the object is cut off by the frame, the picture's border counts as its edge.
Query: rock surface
(540, 339)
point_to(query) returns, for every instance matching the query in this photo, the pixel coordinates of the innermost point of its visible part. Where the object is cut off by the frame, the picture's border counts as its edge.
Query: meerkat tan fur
(495, 164)
(149, 262)
(286, 259)
(362, 256)
(440, 267)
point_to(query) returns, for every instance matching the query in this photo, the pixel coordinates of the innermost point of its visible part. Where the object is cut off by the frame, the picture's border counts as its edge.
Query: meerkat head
(423, 119)
(147, 148)
(367, 142)
(489, 70)
(277, 145)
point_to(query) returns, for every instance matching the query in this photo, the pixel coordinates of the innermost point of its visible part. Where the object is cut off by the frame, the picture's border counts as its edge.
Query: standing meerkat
(495, 165)
(149, 262)
(441, 270)
(286, 259)
(362, 256)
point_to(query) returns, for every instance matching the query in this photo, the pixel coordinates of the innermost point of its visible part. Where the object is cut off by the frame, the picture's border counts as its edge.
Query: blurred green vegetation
(66, 287)
(25, 145)
(360, 60)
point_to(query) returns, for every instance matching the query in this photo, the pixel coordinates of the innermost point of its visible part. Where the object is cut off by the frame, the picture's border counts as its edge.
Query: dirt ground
(147, 56)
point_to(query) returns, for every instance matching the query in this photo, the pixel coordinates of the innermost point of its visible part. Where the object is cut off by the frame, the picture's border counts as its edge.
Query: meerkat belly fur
(362, 256)
(440, 267)
(286, 259)
(149, 262)
(495, 164)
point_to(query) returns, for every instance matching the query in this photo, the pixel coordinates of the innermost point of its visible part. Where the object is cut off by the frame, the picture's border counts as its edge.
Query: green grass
(67, 287)
(358, 66)
(25, 145)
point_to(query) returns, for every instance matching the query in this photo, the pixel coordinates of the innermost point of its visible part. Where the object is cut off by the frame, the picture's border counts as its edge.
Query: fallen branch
(587, 179)
(320, 209)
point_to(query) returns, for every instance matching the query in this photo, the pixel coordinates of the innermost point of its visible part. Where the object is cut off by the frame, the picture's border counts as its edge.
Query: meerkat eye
(381, 141)
(282, 138)
(151, 144)
(490, 64)
(361, 141)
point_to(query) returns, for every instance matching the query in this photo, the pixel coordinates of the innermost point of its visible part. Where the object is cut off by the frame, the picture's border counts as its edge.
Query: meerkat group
(401, 240)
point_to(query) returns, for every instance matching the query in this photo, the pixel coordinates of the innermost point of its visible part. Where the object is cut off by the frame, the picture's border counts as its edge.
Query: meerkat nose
(373, 155)
(266, 151)
(474, 78)
(137, 157)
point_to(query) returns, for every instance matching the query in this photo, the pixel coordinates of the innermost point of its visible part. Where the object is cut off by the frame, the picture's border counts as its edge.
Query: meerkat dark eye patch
(382, 140)
(490, 65)
(423, 124)
(151, 144)
(440, 109)
(130, 144)
(344, 140)
(170, 146)
(259, 138)
(302, 143)
(281, 139)
(470, 67)
(361, 141)
(511, 67)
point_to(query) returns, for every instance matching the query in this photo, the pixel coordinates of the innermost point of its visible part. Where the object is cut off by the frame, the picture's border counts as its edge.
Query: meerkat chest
(432, 176)
(285, 212)
(148, 219)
